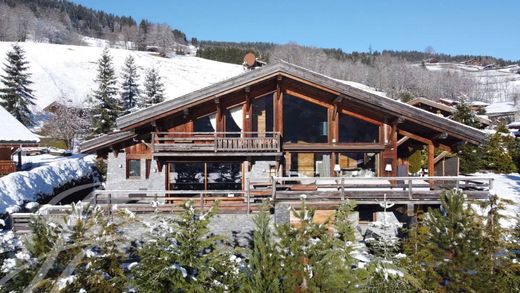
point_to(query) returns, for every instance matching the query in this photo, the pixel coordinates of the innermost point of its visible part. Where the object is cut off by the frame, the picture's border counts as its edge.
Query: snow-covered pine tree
(452, 250)
(153, 88)
(465, 115)
(16, 96)
(129, 87)
(106, 106)
(312, 259)
(182, 257)
(499, 150)
(263, 274)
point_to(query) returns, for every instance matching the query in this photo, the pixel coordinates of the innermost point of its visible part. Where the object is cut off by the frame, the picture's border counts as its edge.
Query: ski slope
(64, 71)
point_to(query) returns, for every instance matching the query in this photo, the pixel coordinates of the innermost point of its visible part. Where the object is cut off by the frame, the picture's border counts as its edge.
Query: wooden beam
(415, 137)
(440, 157)
(402, 140)
(431, 162)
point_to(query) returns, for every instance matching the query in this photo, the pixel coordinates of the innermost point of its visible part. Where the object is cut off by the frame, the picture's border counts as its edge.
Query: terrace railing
(216, 142)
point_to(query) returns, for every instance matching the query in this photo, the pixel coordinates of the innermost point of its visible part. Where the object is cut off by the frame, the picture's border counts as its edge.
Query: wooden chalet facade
(279, 120)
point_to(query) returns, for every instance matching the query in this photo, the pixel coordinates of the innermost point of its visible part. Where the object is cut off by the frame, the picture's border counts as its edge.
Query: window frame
(128, 168)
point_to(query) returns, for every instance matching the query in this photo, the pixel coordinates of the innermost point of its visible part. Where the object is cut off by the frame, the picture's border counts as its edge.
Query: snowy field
(28, 186)
(502, 83)
(63, 71)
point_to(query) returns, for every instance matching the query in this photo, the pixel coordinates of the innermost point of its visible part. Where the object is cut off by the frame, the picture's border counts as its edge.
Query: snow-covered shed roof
(13, 131)
(504, 107)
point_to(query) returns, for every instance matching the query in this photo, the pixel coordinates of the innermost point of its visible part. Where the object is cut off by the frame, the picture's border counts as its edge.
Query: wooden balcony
(7, 167)
(216, 144)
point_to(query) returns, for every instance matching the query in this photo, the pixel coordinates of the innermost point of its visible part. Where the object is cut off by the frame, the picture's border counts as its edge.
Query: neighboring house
(278, 120)
(443, 109)
(13, 136)
(507, 112)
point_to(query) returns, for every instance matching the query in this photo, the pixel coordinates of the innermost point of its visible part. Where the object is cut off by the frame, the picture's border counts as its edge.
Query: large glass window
(133, 168)
(352, 130)
(263, 114)
(196, 175)
(224, 176)
(304, 121)
(205, 124)
(358, 164)
(233, 120)
(187, 176)
(310, 165)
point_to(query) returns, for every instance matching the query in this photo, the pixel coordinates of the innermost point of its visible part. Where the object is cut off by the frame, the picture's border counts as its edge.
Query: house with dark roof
(13, 136)
(279, 121)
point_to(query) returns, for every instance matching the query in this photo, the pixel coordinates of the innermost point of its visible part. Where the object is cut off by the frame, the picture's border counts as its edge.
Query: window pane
(225, 176)
(233, 117)
(263, 114)
(203, 124)
(134, 168)
(352, 130)
(310, 165)
(358, 164)
(304, 121)
(187, 176)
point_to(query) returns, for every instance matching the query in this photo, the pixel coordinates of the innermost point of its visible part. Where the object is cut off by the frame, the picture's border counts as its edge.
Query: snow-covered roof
(479, 104)
(515, 124)
(504, 107)
(13, 131)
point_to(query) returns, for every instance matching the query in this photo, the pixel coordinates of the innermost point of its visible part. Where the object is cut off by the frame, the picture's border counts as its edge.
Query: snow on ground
(65, 71)
(28, 186)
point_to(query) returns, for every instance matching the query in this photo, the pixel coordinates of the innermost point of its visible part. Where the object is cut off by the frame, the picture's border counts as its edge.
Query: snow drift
(20, 187)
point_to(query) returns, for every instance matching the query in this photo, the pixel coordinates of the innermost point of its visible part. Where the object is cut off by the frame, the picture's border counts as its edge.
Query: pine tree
(465, 115)
(499, 150)
(105, 103)
(264, 273)
(153, 88)
(16, 96)
(130, 89)
(182, 257)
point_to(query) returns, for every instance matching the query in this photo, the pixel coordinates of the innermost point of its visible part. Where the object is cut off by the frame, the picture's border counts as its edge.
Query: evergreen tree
(130, 88)
(264, 272)
(499, 151)
(465, 115)
(153, 88)
(16, 96)
(182, 258)
(105, 103)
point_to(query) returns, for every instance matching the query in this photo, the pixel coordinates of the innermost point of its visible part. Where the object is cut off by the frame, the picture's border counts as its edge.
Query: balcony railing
(165, 143)
(7, 167)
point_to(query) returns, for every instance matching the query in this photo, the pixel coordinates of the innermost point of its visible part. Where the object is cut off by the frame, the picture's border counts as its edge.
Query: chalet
(444, 110)
(279, 125)
(506, 112)
(13, 136)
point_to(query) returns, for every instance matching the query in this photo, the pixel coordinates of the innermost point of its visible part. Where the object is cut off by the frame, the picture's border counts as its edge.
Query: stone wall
(116, 175)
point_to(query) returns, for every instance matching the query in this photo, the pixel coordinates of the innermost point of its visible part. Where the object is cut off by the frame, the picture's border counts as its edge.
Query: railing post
(95, 198)
(110, 198)
(248, 195)
(491, 183)
(457, 184)
(342, 189)
(202, 201)
(410, 191)
(273, 188)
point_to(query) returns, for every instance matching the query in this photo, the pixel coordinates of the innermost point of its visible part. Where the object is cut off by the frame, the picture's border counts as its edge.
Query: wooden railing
(317, 191)
(223, 142)
(7, 167)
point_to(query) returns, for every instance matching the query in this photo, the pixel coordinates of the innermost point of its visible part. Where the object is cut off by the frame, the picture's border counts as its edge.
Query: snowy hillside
(496, 85)
(63, 71)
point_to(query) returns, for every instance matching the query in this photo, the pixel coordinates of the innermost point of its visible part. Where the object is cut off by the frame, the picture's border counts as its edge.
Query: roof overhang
(106, 141)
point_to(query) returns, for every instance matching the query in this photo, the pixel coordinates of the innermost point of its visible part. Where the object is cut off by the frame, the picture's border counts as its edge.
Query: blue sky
(455, 27)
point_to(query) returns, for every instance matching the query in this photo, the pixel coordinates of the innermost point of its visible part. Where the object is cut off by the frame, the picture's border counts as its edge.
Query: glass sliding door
(224, 176)
(205, 176)
(310, 165)
(358, 164)
(187, 176)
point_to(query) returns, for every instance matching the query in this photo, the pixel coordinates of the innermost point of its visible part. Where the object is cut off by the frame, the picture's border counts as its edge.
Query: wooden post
(248, 195)
(273, 188)
(342, 189)
(410, 192)
(431, 163)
